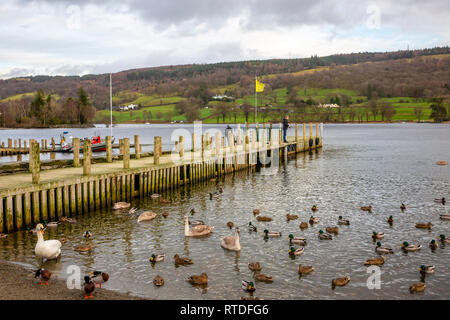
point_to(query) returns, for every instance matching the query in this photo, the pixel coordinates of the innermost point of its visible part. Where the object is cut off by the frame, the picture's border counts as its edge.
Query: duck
(132, 210)
(305, 269)
(87, 234)
(84, 248)
(220, 190)
(63, 240)
(52, 224)
(254, 266)
(343, 221)
(426, 269)
(99, 277)
(296, 240)
(214, 195)
(195, 231)
(165, 214)
(230, 242)
(377, 235)
(410, 247)
(121, 205)
(44, 274)
(424, 225)
(444, 216)
(268, 233)
(383, 249)
(444, 239)
(158, 281)
(230, 224)
(303, 225)
(324, 236)
(390, 220)
(46, 249)
(248, 286)
(146, 216)
(3, 236)
(290, 217)
(340, 282)
(433, 244)
(314, 208)
(334, 230)
(403, 207)
(313, 220)
(417, 287)
(157, 258)
(89, 287)
(256, 211)
(181, 260)
(67, 220)
(366, 208)
(192, 211)
(262, 218)
(198, 280)
(162, 200)
(29, 230)
(374, 261)
(196, 222)
(251, 227)
(263, 277)
(442, 200)
(296, 252)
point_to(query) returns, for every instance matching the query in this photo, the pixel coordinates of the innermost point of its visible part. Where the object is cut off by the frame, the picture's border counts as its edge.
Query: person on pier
(285, 128)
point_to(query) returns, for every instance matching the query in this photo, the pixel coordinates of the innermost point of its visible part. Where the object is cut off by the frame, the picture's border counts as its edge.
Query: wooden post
(157, 149)
(76, 152)
(9, 143)
(20, 143)
(24, 144)
(53, 144)
(217, 137)
(194, 146)
(87, 152)
(137, 147)
(317, 130)
(126, 153)
(45, 144)
(19, 157)
(296, 133)
(310, 130)
(203, 146)
(108, 149)
(35, 163)
(181, 147)
(52, 155)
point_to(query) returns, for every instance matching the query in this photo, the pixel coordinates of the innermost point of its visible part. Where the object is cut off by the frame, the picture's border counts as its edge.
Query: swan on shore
(46, 249)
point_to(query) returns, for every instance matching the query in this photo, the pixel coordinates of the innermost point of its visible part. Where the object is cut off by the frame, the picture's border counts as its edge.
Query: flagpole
(110, 102)
(256, 104)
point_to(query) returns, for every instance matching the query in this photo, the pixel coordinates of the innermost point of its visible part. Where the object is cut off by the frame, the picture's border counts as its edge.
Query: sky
(77, 37)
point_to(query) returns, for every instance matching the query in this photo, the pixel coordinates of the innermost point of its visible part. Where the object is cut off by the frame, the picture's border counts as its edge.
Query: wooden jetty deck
(47, 195)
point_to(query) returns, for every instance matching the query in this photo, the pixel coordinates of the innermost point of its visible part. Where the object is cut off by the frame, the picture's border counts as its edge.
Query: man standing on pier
(285, 127)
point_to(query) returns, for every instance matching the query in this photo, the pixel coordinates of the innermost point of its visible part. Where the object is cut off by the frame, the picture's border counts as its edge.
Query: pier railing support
(76, 152)
(181, 147)
(108, 149)
(157, 149)
(87, 152)
(35, 162)
(137, 150)
(126, 153)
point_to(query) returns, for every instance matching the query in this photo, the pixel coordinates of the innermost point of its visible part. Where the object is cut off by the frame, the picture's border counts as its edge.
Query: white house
(329, 105)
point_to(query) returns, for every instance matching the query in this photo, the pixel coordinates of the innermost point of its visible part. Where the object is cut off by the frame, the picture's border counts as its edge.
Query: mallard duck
(199, 280)
(254, 266)
(324, 236)
(230, 242)
(3, 236)
(303, 225)
(214, 195)
(165, 214)
(268, 233)
(433, 244)
(334, 230)
(313, 220)
(248, 286)
(390, 219)
(220, 190)
(195, 231)
(157, 258)
(444, 239)
(162, 200)
(262, 218)
(403, 207)
(181, 260)
(52, 224)
(146, 216)
(374, 261)
(89, 287)
(256, 211)
(48, 249)
(251, 227)
(29, 230)
(290, 217)
(424, 225)
(99, 277)
(442, 200)
(192, 211)
(314, 208)
(158, 281)
(305, 269)
(366, 208)
(297, 240)
(296, 252)
(340, 282)
(263, 277)
(410, 247)
(132, 210)
(44, 274)
(343, 221)
(445, 216)
(121, 205)
(417, 287)
(67, 220)
(87, 234)
(155, 195)
(426, 269)
(383, 249)
(377, 235)
(230, 224)
(84, 248)
(196, 222)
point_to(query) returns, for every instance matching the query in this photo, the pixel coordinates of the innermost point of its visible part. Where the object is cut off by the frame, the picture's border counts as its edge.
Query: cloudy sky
(75, 37)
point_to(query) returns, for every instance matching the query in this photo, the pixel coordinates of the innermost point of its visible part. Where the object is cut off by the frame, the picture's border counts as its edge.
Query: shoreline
(18, 283)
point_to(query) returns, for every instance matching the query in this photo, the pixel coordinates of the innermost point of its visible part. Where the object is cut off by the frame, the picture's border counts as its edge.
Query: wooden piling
(157, 149)
(126, 153)
(76, 152)
(108, 149)
(87, 152)
(137, 151)
(35, 163)
(181, 147)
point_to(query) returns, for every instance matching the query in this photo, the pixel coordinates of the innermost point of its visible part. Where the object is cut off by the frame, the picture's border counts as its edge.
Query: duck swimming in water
(426, 269)
(410, 247)
(383, 249)
(343, 221)
(324, 236)
(251, 227)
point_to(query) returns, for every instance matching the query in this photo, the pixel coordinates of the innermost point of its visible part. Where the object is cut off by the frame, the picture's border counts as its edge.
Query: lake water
(381, 165)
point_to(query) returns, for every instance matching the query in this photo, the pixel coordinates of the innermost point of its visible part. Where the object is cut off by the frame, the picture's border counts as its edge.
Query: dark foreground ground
(18, 283)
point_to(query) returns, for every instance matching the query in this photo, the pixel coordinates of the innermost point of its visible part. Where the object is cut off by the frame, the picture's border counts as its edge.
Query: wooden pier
(47, 195)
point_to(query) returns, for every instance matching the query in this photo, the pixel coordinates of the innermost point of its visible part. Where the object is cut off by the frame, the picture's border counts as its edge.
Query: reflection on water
(378, 165)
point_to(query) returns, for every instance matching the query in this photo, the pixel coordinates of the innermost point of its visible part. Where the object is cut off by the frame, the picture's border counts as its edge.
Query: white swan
(198, 230)
(48, 249)
(232, 243)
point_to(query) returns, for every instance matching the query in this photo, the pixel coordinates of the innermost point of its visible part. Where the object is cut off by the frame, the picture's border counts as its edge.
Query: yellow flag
(259, 86)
